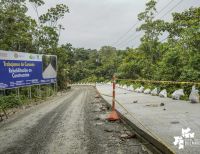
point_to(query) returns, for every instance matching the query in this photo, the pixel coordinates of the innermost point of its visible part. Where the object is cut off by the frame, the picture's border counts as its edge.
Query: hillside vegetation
(174, 58)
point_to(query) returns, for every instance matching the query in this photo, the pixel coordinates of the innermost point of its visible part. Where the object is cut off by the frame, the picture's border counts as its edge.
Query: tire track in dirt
(40, 134)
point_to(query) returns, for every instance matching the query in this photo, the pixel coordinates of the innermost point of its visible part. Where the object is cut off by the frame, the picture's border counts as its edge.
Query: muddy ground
(74, 122)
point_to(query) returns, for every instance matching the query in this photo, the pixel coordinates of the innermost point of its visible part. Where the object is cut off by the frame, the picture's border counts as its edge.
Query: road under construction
(70, 122)
(102, 118)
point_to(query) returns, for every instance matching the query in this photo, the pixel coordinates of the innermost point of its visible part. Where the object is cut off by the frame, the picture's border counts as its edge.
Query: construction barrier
(166, 82)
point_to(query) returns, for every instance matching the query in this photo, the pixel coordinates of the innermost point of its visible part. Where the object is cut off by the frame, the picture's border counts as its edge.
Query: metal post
(55, 87)
(39, 91)
(4, 111)
(17, 92)
(30, 96)
(50, 90)
(28, 93)
(46, 90)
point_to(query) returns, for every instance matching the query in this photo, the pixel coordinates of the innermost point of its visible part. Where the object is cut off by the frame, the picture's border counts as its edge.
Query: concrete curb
(155, 145)
(160, 147)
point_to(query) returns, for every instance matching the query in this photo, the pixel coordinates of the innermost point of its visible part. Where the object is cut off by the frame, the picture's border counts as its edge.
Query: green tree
(181, 61)
(152, 29)
(16, 27)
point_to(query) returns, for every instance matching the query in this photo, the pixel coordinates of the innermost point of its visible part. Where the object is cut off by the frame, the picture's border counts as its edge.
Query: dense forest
(176, 59)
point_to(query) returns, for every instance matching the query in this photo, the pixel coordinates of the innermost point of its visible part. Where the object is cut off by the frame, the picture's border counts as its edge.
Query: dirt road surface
(71, 123)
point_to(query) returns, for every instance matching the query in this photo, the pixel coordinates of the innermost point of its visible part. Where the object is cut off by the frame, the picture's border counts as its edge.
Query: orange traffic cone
(113, 116)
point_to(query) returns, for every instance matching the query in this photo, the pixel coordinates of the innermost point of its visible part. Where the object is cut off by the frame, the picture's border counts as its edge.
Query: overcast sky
(95, 23)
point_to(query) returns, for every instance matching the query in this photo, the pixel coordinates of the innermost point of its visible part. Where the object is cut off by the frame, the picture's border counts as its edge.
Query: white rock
(177, 94)
(154, 92)
(163, 93)
(194, 95)
(125, 87)
(109, 83)
(139, 90)
(147, 91)
(131, 88)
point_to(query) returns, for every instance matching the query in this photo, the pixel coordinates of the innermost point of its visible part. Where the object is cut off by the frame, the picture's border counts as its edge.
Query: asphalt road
(67, 124)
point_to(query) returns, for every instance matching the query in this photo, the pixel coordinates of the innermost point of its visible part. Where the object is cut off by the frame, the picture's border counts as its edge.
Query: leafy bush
(10, 101)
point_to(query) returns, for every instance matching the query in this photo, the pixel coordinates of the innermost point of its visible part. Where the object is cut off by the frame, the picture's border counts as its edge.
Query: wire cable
(172, 8)
(127, 32)
(129, 39)
(164, 7)
(134, 34)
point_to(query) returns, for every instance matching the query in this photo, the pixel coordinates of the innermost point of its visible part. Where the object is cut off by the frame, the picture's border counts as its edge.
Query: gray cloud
(94, 23)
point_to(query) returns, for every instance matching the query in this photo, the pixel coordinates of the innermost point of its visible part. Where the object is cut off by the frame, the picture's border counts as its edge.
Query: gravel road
(71, 123)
